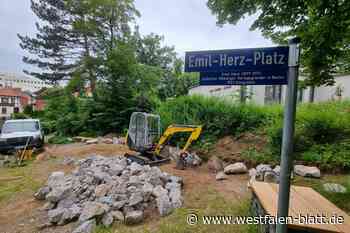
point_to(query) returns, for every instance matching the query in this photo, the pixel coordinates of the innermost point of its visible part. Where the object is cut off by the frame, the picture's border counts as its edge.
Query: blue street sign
(274, 77)
(257, 66)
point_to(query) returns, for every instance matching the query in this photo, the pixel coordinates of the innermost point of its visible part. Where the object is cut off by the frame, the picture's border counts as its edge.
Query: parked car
(18, 133)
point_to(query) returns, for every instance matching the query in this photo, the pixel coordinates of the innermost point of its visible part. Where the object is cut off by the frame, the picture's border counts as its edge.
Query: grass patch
(201, 202)
(342, 200)
(59, 139)
(10, 185)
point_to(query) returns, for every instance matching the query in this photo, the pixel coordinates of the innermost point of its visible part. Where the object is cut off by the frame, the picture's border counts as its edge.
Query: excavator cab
(144, 137)
(144, 131)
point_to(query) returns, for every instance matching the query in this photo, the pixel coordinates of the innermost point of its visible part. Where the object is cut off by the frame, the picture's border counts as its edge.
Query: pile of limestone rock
(103, 190)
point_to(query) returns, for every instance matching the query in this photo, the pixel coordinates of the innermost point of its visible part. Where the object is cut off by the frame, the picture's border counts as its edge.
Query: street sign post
(288, 134)
(258, 66)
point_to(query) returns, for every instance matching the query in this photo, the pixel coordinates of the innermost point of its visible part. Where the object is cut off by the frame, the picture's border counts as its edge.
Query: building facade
(25, 83)
(266, 94)
(13, 100)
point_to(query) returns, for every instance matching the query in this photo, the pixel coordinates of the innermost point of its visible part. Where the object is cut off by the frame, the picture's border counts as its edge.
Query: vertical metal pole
(288, 133)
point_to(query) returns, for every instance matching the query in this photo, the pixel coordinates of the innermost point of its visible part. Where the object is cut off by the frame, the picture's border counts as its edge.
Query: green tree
(114, 101)
(150, 51)
(322, 25)
(53, 42)
(75, 36)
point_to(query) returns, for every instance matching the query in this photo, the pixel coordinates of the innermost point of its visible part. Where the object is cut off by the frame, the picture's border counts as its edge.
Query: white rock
(277, 170)
(159, 191)
(262, 168)
(164, 205)
(221, 176)
(86, 227)
(102, 190)
(55, 178)
(176, 198)
(270, 177)
(306, 171)
(135, 168)
(133, 217)
(59, 192)
(118, 216)
(55, 215)
(135, 198)
(41, 193)
(172, 185)
(236, 168)
(91, 141)
(334, 188)
(147, 190)
(107, 219)
(91, 210)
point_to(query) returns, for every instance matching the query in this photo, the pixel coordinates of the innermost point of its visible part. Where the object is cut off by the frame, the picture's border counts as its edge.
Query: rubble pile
(104, 190)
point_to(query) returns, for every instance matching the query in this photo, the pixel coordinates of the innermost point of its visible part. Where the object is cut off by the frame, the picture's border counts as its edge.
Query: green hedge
(322, 131)
(218, 117)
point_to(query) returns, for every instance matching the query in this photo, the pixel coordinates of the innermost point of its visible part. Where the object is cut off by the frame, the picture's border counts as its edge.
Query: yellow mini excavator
(144, 131)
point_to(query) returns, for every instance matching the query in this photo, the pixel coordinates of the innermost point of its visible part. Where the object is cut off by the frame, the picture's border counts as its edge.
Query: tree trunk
(111, 30)
(92, 78)
(243, 94)
(312, 94)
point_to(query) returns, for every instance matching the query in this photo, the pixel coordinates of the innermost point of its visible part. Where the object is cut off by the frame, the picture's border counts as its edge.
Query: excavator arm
(195, 131)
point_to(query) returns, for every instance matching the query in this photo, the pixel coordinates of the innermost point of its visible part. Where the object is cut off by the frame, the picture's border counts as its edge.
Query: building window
(3, 110)
(16, 110)
(4, 100)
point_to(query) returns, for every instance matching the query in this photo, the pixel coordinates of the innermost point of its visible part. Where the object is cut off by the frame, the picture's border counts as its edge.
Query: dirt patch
(234, 188)
(229, 148)
(81, 150)
(23, 214)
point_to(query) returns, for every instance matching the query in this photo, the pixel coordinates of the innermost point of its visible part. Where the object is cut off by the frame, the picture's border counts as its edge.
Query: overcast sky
(186, 24)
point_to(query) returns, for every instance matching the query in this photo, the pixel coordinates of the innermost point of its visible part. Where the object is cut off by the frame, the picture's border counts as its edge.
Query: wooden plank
(303, 201)
(266, 196)
(324, 207)
(298, 206)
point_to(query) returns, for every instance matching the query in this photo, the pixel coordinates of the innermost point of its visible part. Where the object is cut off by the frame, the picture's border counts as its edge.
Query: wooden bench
(304, 201)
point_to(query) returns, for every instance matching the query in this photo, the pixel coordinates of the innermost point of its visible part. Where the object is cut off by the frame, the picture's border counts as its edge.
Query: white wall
(26, 83)
(218, 91)
(324, 93)
(328, 92)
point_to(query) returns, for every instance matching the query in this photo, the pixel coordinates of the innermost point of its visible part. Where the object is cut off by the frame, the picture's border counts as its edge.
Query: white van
(16, 133)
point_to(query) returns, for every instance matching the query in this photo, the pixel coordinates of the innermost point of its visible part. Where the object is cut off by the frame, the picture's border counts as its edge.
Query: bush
(315, 124)
(255, 157)
(323, 123)
(218, 117)
(329, 156)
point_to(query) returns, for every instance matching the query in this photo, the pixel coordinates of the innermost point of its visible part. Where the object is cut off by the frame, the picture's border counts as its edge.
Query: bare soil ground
(229, 148)
(21, 213)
